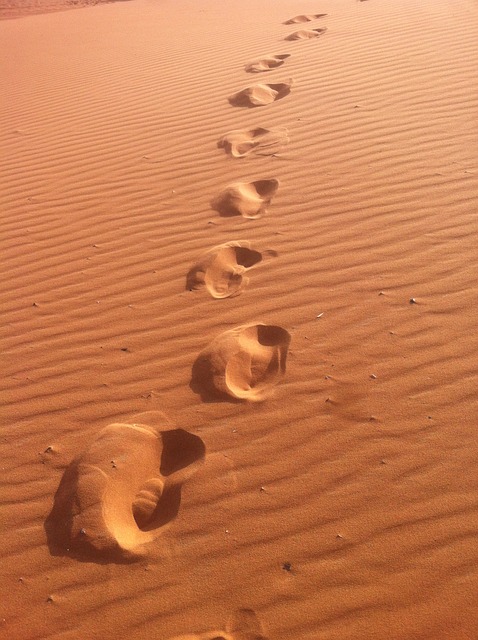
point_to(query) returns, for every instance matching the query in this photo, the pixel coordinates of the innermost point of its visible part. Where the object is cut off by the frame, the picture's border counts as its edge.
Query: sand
(239, 320)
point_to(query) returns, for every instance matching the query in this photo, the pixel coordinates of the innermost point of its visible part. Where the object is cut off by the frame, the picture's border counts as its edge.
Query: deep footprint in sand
(267, 63)
(260, 95)
(305, 18)
(244, 363)
(243, 625)
(222, 269)
(265, 142)
(118, 495)
(306, 34)
(246, 199)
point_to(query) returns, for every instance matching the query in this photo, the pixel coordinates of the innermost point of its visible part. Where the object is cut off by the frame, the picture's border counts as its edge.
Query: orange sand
(142, 143)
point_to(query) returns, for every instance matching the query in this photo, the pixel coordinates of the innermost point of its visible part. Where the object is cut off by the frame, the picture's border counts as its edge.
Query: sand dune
(341, 506)
(21, 8)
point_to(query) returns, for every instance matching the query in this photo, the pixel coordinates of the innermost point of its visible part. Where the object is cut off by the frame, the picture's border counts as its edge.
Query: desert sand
(239, 320)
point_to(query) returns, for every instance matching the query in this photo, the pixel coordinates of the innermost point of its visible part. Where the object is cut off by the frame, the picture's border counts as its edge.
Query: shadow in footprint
(244, 363)
(306, 34)
(246, 199)
(260, 95)
(118, 495)
(222, 269)
(267, 63)
(265, 142)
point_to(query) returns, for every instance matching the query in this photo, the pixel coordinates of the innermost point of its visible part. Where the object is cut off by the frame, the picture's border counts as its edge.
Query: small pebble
(373, 376)
(413, 301)
(287, 566)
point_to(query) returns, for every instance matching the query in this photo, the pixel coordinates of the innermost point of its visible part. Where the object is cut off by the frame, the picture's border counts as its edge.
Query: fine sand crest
(259, 95)
(222, 269)
(244, 363)
(117, 495)
(267, 63)
(243, 625)
(266, 142)
(21, 8)
(246, 199)
(306, 34)
(305, 18)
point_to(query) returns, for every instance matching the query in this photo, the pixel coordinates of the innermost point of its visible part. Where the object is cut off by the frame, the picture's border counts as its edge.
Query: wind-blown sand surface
(143, 492)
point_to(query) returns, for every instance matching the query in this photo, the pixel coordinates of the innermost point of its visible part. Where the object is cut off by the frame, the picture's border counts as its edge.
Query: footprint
(259, 95)
(243, 625)
(305, 18)
(117, 495)
(244, 363)
(222, 269)
(246, 199)
(306, 34)
(267, 63)
(242, 142)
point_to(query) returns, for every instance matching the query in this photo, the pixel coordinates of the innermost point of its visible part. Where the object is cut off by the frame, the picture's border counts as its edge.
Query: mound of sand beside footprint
(306, 34)
(267, 63)
(242, 142)
(260, 95)
(244, 363)
(222, 269)
(119, 493)
(242, 625)
(305, 18)
(246, 199)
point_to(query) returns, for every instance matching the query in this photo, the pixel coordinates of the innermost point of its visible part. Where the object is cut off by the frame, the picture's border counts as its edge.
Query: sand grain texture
(343, 506)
